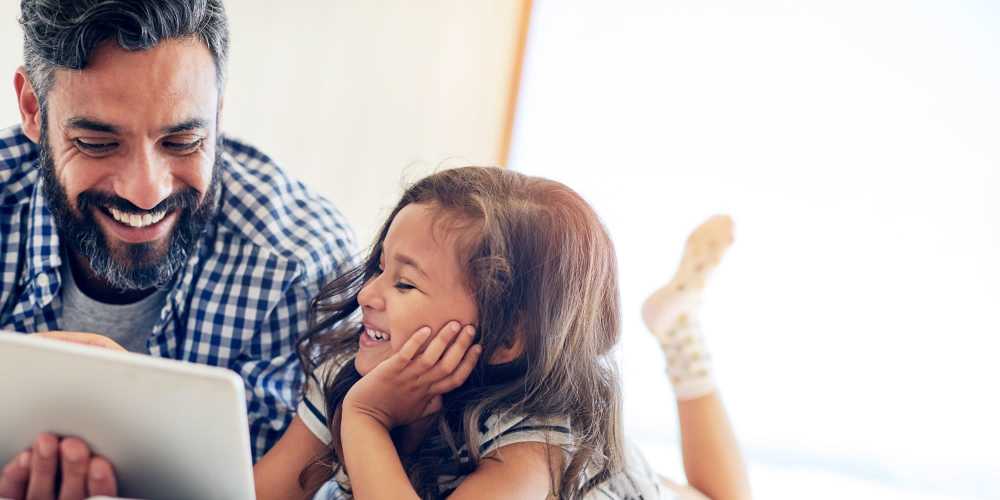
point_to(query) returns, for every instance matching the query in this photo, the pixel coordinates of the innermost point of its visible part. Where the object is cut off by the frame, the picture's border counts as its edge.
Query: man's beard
(134, 266)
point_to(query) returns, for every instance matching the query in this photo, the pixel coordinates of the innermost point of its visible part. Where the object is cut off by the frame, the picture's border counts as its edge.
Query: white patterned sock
(671, 313)
(689, 364)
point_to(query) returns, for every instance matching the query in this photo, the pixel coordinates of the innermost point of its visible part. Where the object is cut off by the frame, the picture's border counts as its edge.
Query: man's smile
(133, 227)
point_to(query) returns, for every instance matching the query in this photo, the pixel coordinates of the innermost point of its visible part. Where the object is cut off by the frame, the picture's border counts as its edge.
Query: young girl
(470, 357)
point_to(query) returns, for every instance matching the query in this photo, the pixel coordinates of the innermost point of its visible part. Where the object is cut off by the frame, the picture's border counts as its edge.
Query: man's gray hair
(64, 33)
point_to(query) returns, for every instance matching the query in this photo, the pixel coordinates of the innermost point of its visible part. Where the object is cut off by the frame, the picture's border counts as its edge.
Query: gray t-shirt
(130, 324)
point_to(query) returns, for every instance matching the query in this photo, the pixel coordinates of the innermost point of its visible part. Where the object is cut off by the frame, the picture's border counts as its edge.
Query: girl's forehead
(416, 233)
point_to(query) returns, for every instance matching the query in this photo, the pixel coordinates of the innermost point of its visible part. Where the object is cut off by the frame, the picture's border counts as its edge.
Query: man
(125, 212)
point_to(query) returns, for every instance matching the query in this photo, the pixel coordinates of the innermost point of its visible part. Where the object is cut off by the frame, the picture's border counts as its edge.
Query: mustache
(182, 200)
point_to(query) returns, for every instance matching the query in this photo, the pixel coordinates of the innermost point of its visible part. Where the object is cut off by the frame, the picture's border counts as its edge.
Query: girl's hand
(408, 386)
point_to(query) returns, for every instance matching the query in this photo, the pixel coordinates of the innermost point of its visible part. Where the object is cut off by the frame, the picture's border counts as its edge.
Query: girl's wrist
(356, 425)
(356, 416)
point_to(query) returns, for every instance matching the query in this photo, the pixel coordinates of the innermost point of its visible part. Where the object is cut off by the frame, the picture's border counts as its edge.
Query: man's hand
(85, 339)
(32, 474)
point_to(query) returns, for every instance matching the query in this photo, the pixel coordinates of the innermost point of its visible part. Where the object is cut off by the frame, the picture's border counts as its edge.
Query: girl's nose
(370, 296)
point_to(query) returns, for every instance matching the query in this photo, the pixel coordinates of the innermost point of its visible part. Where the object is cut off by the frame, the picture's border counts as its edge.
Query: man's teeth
(376, 335)
(136, 220)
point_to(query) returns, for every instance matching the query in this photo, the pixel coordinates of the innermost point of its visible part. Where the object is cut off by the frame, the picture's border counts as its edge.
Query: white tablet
(171, 429)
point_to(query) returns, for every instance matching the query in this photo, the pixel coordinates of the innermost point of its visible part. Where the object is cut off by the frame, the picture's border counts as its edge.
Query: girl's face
(420, 284)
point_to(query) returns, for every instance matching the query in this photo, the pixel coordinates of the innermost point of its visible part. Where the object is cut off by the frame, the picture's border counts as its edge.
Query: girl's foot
(675, 303)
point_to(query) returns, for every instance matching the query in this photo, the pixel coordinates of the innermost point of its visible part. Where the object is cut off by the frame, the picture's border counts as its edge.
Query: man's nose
(146, 180)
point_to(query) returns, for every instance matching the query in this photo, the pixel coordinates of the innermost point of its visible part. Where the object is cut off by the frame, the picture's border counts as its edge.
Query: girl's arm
(372, 460)
(515, 471)
(276, 475)
(407, 387)
(399, 391)
(521, 470)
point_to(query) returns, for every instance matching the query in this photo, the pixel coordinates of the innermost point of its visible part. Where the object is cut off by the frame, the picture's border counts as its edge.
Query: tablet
(171, 429)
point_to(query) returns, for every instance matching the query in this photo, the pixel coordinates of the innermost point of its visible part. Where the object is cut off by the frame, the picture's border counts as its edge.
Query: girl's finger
(453, 356)
(461, 374)
(413, 344)
(433, 406)
(435, 348)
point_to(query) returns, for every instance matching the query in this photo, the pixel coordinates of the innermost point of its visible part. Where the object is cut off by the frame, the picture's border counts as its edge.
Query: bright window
(854, 322)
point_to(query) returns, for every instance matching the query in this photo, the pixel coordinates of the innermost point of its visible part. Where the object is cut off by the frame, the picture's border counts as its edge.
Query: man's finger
(14, 477)
(75, 460)
(101, 479)
(459, 376)
(44, 463)
(92, 339)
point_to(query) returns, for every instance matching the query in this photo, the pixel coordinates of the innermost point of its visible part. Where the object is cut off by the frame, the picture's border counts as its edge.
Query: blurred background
(854, 322)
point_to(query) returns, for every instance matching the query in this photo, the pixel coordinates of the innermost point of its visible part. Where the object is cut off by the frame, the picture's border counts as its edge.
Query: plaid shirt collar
(44, 257)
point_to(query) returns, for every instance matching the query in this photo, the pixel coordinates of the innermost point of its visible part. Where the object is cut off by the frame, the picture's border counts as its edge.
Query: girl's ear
(511, 349)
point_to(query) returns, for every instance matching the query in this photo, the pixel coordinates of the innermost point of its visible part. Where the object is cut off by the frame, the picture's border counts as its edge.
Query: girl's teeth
(376, 335)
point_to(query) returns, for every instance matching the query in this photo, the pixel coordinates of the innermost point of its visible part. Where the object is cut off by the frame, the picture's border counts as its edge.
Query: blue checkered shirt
(240, 302)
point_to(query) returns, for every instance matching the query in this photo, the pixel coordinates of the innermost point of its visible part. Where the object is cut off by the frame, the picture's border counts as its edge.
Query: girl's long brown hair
(540, 265)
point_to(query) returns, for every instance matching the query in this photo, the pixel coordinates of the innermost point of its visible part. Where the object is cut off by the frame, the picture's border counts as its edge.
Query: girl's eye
(95, 147)
(182, 147)
(402, 286)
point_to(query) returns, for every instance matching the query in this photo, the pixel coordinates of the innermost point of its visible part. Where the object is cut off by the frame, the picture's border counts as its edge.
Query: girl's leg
(712, 460)
(671, 313)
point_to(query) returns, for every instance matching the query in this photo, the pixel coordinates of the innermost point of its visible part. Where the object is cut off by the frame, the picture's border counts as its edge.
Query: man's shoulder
(267, 209)
(18, 174)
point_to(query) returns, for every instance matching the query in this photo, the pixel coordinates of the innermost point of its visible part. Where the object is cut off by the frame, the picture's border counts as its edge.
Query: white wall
(10, 59)
(356, 97)
(854, 323)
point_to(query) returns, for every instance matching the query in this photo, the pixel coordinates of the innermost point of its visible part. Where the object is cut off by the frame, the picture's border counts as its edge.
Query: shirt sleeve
(277, 383)
(507, 430)
(271, 367)
(312, 408)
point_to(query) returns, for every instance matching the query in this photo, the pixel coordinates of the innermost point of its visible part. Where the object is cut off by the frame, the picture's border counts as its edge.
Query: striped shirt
(638, 481)
(241, 300)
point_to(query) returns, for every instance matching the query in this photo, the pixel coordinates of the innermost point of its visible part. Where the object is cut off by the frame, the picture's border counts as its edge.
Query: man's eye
(95, 147)
(182, 146)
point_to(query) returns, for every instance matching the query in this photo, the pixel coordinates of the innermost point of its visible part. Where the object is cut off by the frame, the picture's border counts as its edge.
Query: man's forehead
(155, 88)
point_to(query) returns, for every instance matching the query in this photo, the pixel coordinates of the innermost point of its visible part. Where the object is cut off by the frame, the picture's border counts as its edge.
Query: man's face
(129, 151)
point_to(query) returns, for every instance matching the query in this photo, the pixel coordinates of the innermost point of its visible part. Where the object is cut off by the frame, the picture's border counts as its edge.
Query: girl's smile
(372, 337)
